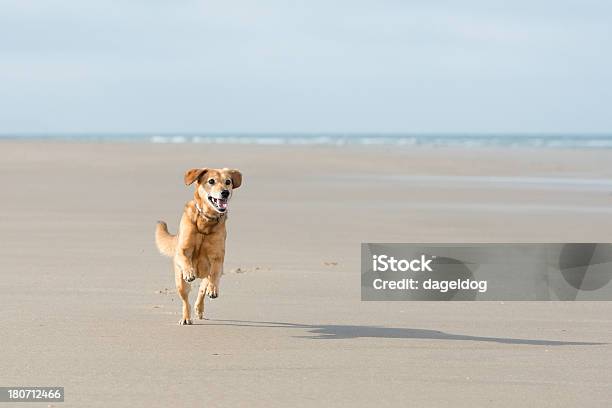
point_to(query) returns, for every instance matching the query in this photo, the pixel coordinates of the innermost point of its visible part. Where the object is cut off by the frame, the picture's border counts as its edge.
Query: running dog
(198, 250)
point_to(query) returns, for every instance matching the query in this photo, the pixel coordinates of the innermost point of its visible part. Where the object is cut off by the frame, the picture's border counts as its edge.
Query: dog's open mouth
(220, 204)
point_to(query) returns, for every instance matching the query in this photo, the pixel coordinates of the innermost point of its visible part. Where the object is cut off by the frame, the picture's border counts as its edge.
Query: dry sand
(84, 302)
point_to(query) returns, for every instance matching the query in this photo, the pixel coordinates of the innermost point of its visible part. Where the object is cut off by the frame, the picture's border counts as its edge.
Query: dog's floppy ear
(236, 176)
(193, 175)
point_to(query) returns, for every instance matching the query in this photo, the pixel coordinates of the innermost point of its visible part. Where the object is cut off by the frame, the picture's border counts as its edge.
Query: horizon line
(299, 133)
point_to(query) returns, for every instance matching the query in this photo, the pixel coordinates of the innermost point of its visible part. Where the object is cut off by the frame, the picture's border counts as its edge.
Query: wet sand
(89, 304)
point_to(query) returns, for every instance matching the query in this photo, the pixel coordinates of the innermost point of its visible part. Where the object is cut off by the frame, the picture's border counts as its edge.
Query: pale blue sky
(307, 66)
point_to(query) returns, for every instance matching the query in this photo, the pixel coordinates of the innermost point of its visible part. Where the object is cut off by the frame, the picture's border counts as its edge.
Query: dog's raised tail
(166, 242)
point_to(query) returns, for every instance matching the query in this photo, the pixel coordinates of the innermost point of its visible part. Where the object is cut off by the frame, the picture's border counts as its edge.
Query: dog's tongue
(223, 204)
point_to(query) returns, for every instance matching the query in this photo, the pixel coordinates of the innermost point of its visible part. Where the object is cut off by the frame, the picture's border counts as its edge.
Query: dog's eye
(211, 182)
(227, 182)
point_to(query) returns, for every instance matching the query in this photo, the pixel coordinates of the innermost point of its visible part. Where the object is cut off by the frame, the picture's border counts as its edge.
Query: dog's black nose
(225, 193)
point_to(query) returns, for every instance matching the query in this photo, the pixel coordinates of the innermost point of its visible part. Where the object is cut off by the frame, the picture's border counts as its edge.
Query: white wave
(467, 141)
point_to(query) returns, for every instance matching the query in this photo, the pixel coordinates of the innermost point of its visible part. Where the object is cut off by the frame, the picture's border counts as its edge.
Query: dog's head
(214, 186)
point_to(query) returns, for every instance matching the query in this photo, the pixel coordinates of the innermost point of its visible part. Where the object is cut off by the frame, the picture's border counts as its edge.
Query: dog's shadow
(336, 332)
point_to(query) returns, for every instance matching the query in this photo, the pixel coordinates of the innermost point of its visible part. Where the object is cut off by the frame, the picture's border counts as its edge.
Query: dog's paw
(199, 311)
(185, 322)
(212, 291)
(188, 274)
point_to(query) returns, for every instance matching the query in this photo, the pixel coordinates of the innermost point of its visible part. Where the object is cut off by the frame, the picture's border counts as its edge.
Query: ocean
(568, 141)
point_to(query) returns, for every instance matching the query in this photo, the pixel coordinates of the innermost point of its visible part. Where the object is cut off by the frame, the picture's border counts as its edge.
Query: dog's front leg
(216, 270)
(185, 266)
(184, 250)
(199, 303)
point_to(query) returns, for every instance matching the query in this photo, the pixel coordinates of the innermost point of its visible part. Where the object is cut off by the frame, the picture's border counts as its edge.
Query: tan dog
(198, 250)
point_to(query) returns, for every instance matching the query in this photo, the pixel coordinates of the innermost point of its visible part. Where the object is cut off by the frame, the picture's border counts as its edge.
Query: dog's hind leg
(183, 289)
(199, 304)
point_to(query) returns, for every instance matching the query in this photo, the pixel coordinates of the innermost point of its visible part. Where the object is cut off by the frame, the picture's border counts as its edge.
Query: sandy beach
(87, 302)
